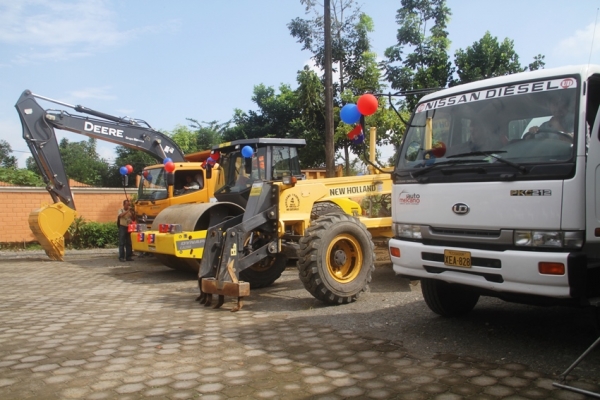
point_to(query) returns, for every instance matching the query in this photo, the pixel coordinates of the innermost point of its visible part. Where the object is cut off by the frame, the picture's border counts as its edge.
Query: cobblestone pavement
(93, 328)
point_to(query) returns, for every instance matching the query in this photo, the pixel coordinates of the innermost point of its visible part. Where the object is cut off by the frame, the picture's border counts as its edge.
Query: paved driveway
(93, 328)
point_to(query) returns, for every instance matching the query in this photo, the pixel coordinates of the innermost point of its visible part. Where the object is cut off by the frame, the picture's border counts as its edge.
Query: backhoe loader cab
(271, 159)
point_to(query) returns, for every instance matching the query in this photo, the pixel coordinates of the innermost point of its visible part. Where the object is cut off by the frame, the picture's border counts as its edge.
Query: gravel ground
(546, 339)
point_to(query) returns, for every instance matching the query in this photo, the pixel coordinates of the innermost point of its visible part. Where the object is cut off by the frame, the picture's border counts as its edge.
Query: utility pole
(329, 149)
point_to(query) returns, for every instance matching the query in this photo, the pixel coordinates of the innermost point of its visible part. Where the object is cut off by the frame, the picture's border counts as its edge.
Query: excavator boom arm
(50, 223)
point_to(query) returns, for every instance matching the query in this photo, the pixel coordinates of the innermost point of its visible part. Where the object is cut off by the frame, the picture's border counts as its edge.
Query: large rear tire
(336, 258)
(325, 207)
(448, 300)
(264, 273)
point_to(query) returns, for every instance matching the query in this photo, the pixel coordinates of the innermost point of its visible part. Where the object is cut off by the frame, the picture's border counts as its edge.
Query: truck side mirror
(170, 179)
(208, 171)
(248, 165)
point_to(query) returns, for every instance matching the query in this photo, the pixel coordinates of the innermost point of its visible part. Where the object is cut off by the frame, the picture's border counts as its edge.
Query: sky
(166, 61)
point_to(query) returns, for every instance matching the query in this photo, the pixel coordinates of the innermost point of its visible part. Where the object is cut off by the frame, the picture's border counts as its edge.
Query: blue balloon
(123, 170)
(350, 114)
(247, 151)
(149, 178)
(166, 160)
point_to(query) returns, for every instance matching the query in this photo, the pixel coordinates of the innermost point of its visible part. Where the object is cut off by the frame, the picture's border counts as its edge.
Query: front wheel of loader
(336, 258)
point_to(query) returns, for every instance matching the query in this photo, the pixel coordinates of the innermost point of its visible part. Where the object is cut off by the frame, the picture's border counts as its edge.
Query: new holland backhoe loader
(242, 242)
(50, 222)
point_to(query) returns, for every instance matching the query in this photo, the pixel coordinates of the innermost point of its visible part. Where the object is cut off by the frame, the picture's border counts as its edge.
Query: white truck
(511, 211)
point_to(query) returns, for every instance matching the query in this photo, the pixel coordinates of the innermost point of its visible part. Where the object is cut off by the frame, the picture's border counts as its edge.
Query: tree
(81, 161)
(488, 58)
(7, 160)
(126, 156)
(351, 55)
(310, 121)
(209, 135)
(20, 177)
(428, 64)
(275, 112)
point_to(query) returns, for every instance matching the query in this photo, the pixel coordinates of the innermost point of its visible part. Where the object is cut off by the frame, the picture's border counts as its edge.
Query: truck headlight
(557, 239)
(407, 231)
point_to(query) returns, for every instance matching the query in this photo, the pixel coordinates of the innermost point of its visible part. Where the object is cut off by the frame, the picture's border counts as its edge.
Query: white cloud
(580, 43)
(63, 29)
(100, 93)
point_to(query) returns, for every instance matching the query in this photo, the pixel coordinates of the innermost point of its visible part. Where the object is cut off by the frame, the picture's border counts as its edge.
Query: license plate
(455, 258)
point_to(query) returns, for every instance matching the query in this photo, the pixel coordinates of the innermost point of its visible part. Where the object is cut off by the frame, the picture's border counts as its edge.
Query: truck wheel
(323, 208)
(448, 300)
(264, 273)
(336, 258)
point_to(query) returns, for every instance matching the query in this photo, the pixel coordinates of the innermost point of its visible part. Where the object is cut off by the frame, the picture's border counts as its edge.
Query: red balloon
(215, 155)
(145, 173)
(367, 104)
(169, 166)
(438, 149)
(129, 168)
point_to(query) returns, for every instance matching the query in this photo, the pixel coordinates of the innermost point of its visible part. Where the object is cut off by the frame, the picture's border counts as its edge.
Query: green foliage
(83, 234)
(126, 156)
(428, 64)
(7, 160)
(189, 140)
(20, 177)
(352, 57)
(12, 246)
(288, 113)
(377, 206)
(488, 58)
(185, 138)
(538, 63)
(82, 162)
(207, 136)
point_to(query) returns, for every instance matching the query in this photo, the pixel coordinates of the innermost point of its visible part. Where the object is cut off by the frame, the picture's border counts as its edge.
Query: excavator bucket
(49, 225)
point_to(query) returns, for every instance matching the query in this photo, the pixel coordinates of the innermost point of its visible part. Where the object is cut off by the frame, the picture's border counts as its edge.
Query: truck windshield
(153, 185)
(471, 135)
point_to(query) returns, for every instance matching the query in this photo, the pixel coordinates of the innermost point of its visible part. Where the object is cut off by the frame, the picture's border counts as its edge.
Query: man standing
(125, 218)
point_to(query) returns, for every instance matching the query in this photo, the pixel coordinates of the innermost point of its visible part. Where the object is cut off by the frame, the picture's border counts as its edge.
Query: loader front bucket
(49, 225)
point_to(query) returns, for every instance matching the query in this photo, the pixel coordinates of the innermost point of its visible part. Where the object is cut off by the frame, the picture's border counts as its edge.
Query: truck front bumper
(497, 271)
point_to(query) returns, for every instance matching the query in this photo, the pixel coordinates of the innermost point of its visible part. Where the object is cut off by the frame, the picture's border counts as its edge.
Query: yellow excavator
(50, 222)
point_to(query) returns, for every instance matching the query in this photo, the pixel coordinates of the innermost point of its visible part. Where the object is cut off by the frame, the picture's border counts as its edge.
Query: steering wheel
(555, 131)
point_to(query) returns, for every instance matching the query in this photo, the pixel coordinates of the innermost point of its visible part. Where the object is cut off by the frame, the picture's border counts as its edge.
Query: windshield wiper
(431, 167)
(492, 153)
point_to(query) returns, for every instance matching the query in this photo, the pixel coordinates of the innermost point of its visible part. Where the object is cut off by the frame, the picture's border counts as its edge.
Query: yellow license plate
(455, 258)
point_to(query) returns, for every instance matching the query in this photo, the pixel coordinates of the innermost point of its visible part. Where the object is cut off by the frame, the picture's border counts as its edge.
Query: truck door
(592, 184)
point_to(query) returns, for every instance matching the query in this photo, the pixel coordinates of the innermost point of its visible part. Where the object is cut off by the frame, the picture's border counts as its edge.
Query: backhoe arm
(50, 223)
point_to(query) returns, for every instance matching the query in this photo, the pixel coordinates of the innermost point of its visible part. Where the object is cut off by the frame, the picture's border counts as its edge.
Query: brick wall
(93, 204)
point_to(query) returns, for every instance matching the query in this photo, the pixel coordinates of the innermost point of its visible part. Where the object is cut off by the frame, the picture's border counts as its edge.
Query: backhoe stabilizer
(49, 224)
(232, 247)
